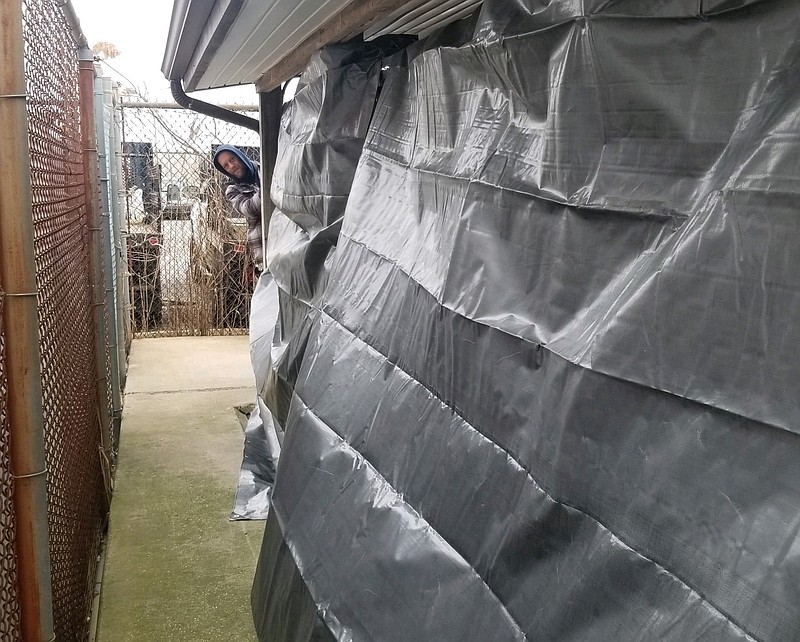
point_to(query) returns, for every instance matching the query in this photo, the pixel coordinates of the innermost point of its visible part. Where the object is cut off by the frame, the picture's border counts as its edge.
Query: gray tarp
(550, 389)
(261, 436)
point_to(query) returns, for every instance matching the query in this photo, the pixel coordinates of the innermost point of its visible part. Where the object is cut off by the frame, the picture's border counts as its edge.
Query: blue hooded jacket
(252, 171)
(244, 196)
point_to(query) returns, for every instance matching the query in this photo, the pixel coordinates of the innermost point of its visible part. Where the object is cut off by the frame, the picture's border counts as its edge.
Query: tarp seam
(540, 195)
(560, 356)
(528, 473)
(399, 498)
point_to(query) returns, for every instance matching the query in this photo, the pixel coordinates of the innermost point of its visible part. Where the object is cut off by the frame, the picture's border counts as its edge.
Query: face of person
(230, 163)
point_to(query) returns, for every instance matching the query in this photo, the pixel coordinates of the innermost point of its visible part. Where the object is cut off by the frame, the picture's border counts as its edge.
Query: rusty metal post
(96, 220)
(21, 329)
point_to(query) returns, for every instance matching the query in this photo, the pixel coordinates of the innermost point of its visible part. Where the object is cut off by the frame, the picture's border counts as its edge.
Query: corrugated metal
(422, 19)
(219, 21)
(261, 35)
(263, 32)
(186, 26)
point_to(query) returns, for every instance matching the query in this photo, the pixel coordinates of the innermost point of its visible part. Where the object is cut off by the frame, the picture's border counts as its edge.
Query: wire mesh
(191, 271)
(9, 606)
(76, 491)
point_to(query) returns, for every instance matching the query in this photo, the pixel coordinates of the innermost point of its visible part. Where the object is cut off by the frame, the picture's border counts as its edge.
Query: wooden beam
(356, 17)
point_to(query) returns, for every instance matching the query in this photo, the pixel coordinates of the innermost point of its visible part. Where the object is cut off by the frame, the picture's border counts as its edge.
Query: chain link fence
(182, 269)
(9, 610)
(77, 470)
(191, 271)
(76, 482)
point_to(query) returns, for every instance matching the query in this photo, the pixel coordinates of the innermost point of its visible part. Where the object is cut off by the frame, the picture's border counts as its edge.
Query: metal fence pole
(21, 328)
(108, 254)
(95, 219)
(116, 187)
(123, 273)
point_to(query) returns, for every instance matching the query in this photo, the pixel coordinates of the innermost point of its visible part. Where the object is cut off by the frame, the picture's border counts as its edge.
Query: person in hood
(243, 192)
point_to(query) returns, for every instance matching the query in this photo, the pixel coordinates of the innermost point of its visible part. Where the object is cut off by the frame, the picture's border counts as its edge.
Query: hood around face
(252, 171)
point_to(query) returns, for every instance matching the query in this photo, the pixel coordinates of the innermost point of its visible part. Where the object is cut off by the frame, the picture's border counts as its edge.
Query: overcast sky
(138, 28)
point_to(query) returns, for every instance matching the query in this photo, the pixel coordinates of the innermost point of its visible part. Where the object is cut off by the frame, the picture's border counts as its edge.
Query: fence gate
(190, 270)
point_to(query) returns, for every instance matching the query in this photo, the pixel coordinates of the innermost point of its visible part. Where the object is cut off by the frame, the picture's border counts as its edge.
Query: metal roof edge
(219, 22)
(188, 20)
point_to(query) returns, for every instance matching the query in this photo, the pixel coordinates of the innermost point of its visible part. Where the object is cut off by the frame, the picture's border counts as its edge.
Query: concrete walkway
(176, 568)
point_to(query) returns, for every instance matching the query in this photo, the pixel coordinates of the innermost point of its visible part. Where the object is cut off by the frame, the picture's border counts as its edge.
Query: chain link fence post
(117, 358)
(20, 328)
(97, 221)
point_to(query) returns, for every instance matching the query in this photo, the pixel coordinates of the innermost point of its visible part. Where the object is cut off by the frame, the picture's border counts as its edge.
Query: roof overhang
(219, 43)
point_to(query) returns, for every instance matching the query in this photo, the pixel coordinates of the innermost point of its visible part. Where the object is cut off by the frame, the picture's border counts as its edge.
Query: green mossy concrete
(177, 568)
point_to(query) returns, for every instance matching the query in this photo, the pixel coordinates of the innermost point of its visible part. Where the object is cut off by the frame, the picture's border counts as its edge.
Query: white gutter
(189, 18)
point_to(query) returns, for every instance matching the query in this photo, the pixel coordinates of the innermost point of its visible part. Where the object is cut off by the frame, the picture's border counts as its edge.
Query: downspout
(210, 110)
(21, 333)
